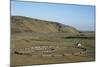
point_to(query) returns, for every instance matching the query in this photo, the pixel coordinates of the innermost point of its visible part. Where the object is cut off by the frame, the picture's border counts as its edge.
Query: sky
(82, 17)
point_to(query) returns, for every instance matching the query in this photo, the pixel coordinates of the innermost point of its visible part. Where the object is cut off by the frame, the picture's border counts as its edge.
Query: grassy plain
(66, 42)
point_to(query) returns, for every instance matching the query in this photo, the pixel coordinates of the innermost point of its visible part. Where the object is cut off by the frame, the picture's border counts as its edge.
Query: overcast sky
(81, 17)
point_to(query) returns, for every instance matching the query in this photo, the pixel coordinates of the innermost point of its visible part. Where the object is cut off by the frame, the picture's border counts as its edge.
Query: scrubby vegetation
(36, 41)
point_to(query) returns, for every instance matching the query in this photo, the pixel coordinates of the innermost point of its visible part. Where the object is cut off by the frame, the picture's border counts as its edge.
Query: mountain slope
(20, 24)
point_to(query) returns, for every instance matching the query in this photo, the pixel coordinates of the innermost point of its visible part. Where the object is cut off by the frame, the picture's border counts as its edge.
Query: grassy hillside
(20, 24)
(35, 41)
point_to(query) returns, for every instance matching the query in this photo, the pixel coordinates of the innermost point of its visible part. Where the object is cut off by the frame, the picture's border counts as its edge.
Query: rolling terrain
(24, 24)
(35, 41)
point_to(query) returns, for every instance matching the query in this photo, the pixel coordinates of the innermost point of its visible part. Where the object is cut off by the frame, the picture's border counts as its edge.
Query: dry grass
(65, 44)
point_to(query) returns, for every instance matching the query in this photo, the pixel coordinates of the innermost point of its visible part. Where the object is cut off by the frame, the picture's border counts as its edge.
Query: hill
(20, 24)
(35, 41)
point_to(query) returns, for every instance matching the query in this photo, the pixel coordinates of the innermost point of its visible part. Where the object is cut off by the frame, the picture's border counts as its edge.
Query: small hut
(78, 44)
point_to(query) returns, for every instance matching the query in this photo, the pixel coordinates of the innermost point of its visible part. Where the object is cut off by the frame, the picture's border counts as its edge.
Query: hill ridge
(20, 24)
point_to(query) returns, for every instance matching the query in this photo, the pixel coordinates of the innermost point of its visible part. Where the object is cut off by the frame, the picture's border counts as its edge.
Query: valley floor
(50, 48)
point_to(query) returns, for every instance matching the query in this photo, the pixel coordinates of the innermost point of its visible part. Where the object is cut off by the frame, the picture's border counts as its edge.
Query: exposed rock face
(20, 24)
